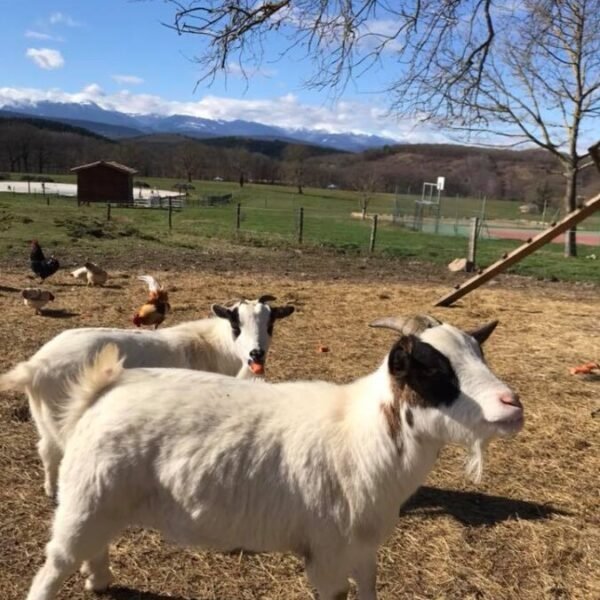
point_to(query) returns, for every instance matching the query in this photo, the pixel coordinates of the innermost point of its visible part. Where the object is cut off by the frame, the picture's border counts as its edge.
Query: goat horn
(267, 298)
(409, 325)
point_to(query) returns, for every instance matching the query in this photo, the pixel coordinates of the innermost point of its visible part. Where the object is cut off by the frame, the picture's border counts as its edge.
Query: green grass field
(269, 218)
(342, 202)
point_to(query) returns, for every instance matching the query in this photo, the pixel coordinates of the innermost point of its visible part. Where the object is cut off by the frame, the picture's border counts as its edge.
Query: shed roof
(107, 163)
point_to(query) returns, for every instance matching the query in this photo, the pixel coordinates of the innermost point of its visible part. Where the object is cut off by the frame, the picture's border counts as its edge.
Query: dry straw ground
(529, 531)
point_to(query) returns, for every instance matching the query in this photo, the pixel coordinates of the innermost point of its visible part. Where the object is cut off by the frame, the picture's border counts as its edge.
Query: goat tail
(95, 378)
(18, 379)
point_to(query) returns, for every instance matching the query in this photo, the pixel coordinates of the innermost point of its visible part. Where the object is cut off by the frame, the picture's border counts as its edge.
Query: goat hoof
(98, 584)
(50, 491)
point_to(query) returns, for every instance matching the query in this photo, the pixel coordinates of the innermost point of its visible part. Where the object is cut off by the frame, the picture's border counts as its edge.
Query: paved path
(587, 238)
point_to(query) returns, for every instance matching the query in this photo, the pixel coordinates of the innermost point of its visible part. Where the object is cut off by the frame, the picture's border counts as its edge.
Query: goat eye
(236, 331)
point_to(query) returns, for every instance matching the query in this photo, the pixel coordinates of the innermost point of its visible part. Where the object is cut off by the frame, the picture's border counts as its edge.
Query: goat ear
(281, 312)
(221, 311)
(266, 298)
(481, 334)
(399, 358)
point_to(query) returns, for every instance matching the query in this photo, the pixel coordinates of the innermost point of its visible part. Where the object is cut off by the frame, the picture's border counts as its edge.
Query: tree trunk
(40, 161)
(570, 206)
(300, 189)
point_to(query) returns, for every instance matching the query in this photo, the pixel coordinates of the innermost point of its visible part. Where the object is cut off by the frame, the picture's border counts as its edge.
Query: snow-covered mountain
(95, 118)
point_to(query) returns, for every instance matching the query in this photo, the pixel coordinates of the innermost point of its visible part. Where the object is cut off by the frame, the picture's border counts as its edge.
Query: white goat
(315, 468)
(235, 344)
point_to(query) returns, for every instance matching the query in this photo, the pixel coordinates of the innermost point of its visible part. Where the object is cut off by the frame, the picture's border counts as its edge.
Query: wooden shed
(104, 181)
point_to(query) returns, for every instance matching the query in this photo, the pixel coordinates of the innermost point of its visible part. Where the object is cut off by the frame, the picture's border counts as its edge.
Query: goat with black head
(311, 467)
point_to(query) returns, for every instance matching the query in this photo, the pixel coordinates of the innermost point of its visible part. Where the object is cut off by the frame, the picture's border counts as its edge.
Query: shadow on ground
(474, 508)
(126, 593)
(58, 313)
(7, 288)
(74, 284)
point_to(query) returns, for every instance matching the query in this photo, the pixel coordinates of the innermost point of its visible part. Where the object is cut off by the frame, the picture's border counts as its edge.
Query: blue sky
(119, 54)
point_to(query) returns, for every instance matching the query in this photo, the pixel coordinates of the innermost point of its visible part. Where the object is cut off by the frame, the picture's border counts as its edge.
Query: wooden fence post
(373, 234)
(170, 213)
(472, 254)
(238, 216)
(108, 211)
(300, 224)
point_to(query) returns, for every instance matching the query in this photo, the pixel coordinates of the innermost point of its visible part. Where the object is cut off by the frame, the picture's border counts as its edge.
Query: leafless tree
(540, 85)
(527, 71)
(295, 155)
(189, 157)
(366, 183)
(342, 37)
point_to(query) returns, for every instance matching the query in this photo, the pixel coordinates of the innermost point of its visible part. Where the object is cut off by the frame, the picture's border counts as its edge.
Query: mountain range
(118, 125)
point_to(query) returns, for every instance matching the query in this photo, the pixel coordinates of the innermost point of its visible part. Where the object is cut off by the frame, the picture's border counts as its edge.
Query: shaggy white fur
(205, 345)
(315, 468)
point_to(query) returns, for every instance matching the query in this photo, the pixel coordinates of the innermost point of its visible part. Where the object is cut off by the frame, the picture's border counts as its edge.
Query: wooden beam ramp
(460, 290)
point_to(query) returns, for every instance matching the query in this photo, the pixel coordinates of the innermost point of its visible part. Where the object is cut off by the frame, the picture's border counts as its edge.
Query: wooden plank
(521, 252)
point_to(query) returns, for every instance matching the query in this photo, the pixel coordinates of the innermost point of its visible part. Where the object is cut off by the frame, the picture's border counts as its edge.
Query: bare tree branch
(523, 72)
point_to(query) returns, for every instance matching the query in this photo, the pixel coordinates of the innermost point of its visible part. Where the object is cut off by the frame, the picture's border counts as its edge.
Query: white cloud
(284, 111)
(46, 58)
(59, 18)
(376, 32)
(38, 35)
(93, 90)
(128, 79)
(236, 70)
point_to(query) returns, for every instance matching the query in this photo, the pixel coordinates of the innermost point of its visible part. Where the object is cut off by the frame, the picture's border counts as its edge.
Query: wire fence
(340, 223)
(352, 230)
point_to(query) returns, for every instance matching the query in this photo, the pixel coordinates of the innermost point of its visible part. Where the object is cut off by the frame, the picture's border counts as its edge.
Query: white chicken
(80, 273)
(91, 273)
(36, 298)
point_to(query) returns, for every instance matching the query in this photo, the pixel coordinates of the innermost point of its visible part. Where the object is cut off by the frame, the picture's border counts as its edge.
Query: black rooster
(43, 267)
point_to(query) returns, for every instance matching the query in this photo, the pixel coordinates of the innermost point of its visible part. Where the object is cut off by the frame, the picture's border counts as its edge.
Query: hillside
(495, 173)
(46, 146)
(8, 119)
(272, 148)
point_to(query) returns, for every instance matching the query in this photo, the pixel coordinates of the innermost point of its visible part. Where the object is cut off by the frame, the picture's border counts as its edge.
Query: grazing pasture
(269, 218)
(530, 530)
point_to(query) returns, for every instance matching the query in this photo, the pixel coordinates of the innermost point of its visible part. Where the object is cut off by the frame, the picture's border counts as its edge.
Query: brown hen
(154, 311)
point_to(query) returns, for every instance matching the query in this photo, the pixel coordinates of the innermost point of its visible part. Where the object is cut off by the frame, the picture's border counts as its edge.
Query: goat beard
(474, 460)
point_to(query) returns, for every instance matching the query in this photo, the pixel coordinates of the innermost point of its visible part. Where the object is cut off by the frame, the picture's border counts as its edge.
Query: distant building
(104, 181)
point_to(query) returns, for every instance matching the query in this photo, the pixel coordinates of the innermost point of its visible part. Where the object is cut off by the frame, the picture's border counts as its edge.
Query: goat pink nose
(511, 399)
